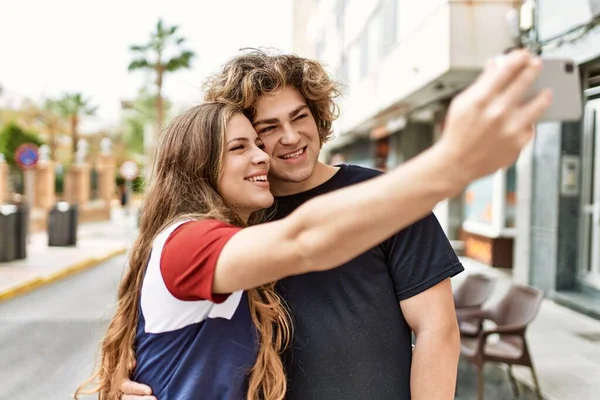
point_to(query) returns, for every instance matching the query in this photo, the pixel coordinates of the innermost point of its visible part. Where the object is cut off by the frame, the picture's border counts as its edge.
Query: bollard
(62, 225)
(21, 231)
(8, 228)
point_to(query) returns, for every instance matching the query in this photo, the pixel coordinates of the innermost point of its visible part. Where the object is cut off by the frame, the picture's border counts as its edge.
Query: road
(49, 337)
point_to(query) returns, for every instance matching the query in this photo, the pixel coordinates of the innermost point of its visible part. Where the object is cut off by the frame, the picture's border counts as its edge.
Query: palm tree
(154, 56)
(50, 116)
(72, 106)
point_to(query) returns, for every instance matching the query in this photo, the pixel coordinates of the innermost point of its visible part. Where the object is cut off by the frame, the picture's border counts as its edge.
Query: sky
(48, 47)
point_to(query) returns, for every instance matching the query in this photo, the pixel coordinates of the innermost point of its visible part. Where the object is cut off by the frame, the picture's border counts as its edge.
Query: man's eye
(260, 146)
(301, 117)
(267, 129)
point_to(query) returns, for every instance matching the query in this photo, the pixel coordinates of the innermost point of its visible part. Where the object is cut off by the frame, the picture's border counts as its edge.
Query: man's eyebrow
(292, 114)
(297, 110)
(266, 121)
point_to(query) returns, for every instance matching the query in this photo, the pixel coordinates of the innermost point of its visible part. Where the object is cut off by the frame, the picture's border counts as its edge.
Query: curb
(35, 283)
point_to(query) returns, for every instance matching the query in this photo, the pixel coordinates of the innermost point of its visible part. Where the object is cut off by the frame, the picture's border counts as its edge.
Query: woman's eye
(238, 147)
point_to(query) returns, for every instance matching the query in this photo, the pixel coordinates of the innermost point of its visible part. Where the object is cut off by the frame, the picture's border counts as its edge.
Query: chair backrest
(519, 306)
(474, 291)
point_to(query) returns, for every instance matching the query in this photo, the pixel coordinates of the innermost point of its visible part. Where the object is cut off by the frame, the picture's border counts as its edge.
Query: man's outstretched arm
(432, 317)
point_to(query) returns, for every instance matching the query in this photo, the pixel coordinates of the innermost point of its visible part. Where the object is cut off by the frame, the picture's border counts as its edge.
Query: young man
(353, 324)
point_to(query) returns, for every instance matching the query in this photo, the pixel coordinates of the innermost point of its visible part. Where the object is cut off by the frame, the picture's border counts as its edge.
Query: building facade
(402, 61)
(559, 249)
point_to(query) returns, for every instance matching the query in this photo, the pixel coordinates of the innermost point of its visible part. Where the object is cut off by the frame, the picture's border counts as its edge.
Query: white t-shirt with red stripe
(191, 343)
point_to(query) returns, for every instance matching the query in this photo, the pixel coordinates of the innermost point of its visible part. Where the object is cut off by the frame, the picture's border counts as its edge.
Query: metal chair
(512, 315)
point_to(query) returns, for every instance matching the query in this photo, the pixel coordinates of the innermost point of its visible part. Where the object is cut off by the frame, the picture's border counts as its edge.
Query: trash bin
(22, 231)
(8, 227)
(62, 225)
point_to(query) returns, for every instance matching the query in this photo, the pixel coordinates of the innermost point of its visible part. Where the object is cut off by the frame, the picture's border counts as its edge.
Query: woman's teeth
(259, 178)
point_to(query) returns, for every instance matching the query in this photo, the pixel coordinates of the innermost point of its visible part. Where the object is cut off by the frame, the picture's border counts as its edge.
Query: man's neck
(321, 174)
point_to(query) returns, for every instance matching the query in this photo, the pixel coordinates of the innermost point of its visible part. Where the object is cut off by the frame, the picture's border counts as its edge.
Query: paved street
(49, 336)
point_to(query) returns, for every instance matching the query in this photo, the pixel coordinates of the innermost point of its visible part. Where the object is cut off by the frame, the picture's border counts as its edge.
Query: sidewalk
(567, 363)
(96, 242)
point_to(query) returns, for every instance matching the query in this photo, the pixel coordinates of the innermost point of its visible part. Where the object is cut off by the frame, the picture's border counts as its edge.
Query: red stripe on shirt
(189, 259)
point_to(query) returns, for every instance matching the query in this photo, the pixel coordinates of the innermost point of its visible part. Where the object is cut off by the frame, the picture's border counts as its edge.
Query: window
(320, 47)
(490, 204)
(364, 54)
(374, 36)
(344, 66)
(340, 8)
(390, 34)
(478, 201)
(354, 62)
(511, 197)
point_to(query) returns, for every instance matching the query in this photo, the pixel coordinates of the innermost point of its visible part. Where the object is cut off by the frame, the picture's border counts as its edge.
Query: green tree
(163, 53)
(142, 112)
(73, 106)
(11, 137)
(45, 120)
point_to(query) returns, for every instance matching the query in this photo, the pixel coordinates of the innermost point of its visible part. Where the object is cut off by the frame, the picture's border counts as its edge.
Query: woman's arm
(486, 128)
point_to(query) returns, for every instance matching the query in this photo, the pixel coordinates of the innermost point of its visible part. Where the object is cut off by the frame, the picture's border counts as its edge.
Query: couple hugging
(262, 273)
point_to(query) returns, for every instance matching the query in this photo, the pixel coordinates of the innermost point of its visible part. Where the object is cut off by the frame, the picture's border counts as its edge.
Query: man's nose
(290, 136)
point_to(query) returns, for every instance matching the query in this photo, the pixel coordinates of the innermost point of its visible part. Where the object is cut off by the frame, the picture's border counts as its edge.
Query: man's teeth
(293, 155)
(259, 178)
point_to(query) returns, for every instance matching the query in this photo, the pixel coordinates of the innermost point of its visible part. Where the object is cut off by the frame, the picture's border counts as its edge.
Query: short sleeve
(420, 257)
(190, 256)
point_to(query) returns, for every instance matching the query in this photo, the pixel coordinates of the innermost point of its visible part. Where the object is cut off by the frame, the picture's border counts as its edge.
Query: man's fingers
(514, 95)
(502, 71)
(134, 388)
(531, 112)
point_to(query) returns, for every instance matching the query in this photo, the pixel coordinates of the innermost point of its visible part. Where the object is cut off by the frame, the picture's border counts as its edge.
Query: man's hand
(136, 391)
(490, 122)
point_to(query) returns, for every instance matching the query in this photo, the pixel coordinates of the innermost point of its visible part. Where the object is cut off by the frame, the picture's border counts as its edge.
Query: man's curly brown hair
(247, 77)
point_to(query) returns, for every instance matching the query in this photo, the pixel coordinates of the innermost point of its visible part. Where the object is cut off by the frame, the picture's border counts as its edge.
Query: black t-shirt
(351, 340)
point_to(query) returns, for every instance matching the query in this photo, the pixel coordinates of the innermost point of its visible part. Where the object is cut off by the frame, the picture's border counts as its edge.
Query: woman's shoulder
(190, 226)
(181, 269)
(195, 229)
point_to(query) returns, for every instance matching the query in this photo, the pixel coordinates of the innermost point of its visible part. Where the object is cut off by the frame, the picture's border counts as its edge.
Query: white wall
(558, 16)
(433, 39)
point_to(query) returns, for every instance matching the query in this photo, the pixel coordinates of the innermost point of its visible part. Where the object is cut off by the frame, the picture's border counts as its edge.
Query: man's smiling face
(289, 132)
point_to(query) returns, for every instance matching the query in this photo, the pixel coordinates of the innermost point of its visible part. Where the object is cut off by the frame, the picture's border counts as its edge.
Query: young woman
(197, 304)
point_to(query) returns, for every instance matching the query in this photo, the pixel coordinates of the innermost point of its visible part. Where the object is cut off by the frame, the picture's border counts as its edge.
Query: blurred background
(85, 87)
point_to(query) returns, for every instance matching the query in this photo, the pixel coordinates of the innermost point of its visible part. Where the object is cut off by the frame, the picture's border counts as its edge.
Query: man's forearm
(434, 365)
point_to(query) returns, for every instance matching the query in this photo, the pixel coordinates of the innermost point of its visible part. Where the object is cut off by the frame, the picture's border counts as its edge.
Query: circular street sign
(129, 170)
(26, 155)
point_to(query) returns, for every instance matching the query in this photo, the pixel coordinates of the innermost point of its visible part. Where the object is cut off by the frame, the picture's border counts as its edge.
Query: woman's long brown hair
(184, 185)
